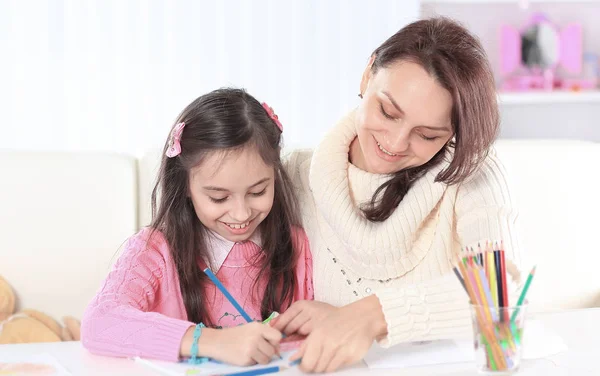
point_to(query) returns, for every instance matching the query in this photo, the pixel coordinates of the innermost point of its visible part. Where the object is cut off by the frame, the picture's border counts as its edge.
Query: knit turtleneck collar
(382, 249)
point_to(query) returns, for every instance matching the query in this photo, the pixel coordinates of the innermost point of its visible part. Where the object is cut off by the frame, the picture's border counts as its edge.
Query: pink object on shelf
(510, 49)
(571, 49)
(529, 56)
(578, 84)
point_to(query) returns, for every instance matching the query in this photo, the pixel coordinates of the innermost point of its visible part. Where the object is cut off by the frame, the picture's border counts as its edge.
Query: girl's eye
(258, 194)
(385, 114)
(429, 138)
(218, 200)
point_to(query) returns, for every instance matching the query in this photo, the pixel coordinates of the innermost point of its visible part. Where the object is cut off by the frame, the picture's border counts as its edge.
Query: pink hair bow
(175, 143)
(273, 116)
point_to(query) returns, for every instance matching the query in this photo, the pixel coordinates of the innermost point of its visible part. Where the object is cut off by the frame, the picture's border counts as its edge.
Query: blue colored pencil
(255, 372)
(233, 302)
(296, 362)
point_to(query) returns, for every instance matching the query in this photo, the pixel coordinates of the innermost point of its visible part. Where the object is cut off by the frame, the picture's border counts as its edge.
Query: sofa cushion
(554, 185)
(64, 216)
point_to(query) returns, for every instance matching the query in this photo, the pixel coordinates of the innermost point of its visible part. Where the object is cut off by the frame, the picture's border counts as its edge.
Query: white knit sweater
(406, 260)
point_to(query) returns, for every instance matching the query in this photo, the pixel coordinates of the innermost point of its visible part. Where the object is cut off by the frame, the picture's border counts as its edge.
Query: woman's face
(403, 120)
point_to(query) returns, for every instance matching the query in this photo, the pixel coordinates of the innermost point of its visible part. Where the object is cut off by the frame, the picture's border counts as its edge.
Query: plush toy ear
(73, 326)
(7, 300)
(52, 324)
(66, 334)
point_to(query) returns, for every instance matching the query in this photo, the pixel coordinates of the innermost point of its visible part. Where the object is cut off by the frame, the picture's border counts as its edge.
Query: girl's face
(403, 119)
(232, 192)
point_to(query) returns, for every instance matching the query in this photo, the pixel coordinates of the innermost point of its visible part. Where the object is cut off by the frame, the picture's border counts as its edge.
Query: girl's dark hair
(457, 61)
(225, 120)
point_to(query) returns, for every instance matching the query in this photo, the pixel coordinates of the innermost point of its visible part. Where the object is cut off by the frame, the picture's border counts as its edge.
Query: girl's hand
(343, 337)
(242, 345)
(302, 317)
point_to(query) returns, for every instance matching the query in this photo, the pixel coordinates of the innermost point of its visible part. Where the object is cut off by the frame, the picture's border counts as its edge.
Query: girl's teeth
(238, 226)
(385, 151)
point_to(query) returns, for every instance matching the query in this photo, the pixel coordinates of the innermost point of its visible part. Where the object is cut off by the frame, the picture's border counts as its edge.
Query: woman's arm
(438, 308)
(435, 309)
(485, 211)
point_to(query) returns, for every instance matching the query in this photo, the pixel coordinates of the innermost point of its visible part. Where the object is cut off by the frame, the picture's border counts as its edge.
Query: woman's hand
(342, 337)
(242, 345)
(302, 317)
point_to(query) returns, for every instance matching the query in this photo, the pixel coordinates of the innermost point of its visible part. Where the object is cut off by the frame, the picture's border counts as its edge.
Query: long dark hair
(457, 61)
(225, 119)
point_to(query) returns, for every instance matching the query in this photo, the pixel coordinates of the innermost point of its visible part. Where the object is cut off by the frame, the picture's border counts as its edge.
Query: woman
(394, 192)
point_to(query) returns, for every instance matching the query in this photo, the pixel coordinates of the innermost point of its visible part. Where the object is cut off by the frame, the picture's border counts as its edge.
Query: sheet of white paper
(209, 368)
(418, 354)
(539, 342)
(24, 365)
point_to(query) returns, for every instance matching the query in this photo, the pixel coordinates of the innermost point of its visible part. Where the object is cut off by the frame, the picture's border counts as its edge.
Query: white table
(580, 329)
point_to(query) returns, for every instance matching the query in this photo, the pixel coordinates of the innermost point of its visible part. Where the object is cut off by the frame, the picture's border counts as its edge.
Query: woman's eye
(385, 114)
(218, 200)
(258, 194)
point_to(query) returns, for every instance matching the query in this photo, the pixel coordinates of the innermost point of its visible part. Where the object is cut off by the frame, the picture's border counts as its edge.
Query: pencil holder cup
(498, 338)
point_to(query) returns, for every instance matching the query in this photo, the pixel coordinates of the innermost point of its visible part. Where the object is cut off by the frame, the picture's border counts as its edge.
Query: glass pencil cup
(498, 338)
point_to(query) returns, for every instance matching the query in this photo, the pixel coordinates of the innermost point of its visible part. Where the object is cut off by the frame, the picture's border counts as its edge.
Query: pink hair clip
(273, 116)
(175, 142)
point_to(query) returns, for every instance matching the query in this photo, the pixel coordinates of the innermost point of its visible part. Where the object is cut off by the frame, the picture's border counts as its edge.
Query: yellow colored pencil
(491, 264)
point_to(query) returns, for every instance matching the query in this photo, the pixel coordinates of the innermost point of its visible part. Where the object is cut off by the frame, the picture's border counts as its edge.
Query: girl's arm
(119, 321)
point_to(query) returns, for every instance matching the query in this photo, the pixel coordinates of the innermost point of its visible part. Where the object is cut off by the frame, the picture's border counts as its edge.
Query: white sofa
(65, 215)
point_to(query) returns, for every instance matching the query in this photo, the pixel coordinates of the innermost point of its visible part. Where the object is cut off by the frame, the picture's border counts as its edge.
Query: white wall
(113, 75)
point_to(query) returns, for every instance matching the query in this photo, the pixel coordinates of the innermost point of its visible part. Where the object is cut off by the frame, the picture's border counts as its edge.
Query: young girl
(227, 204)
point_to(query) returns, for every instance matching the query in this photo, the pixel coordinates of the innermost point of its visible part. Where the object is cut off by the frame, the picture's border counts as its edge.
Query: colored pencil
(523, 294)
(504, 284)
(296, 362)
(480, 293)
(497, 357)
(488, 295)
(460, 278)
(492, 277)
(483, 275)
(255, 372)
(499, 281)
(479, 254)
(224, 291)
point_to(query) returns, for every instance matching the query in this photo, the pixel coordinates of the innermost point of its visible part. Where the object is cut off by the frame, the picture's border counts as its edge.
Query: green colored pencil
(523, 293)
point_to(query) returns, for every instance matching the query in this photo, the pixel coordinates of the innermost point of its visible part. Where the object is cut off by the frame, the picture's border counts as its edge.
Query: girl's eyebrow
(219, 189)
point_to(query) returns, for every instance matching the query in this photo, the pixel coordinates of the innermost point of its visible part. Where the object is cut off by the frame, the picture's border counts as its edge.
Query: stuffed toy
(29, 325)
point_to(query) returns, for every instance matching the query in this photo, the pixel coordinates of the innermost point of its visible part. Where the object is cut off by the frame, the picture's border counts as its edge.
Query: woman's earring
(360, 95)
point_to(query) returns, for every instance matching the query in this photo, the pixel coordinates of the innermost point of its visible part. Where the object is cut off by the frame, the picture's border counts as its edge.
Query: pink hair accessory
(175, 142)
(272, 115)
